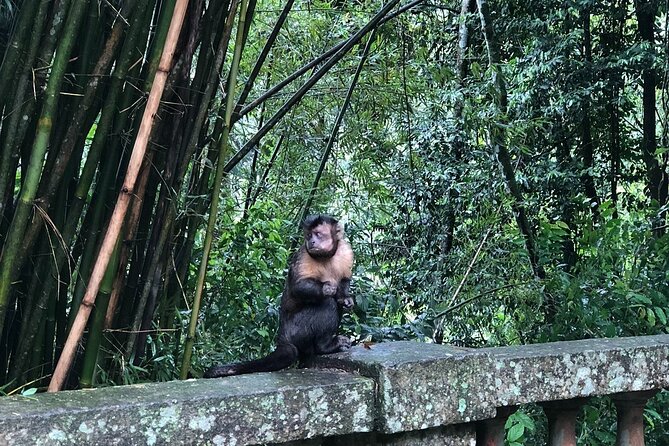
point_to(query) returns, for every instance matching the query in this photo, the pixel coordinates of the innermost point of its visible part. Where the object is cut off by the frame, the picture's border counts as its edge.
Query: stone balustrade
(396, 393)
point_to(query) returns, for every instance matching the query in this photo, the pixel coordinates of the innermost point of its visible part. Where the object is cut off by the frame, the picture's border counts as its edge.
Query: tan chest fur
(333, 269)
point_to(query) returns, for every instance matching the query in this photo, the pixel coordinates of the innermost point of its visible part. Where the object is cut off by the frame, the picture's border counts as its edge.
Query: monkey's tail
(283, 356)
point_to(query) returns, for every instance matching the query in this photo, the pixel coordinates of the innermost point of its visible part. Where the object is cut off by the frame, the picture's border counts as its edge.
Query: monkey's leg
(332, 344)
(283, 356)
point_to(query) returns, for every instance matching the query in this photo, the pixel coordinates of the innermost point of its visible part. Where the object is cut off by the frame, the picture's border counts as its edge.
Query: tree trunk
(464, 30)
(587, 144)
(646, 12)
(612, 40)
(498, 140)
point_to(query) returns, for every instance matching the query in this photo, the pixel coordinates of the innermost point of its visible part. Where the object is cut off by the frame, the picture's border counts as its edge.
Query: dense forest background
(500, 166)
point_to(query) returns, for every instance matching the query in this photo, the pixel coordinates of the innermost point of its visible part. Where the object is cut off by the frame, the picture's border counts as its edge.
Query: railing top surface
(580, 346)
(250, 409)
(430, 385)
(405, 386)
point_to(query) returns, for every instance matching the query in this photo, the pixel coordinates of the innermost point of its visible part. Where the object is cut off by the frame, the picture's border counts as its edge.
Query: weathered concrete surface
(426, 385)
(421, 385)
(250, 409)
(573, 369)
(417, 392)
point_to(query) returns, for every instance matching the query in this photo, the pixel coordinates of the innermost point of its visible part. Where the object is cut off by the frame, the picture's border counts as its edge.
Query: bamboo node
(45, 121)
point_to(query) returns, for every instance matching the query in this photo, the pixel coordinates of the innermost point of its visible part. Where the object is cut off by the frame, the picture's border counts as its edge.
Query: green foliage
(598, 425)
(518, 426)
(407, 163)
(619, 286)
(245, 279)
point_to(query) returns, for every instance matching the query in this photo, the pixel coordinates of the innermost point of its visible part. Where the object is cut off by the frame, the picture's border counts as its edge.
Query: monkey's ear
(343, 224)
(339, 231)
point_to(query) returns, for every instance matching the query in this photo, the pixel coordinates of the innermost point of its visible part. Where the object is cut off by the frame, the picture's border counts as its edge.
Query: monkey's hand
(343, 343)
(346, 302)
(329, 289)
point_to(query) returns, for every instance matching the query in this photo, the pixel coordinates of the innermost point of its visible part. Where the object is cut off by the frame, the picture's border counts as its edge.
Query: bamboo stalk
(268, 167)
(70, 235)
(12, 143)
(123, 201)
(166, 211)
(213, 210)
(265, 52)
(137, 206)
(52, 179)
(193, 134)
(16, 47)
(140, 306)
(95, 331)
(124, 256)
(178, 159)
(110, 165)
(52, 36)
(39, 149)
(110, 109)
(96, 215)
(214, 74)
(207, 83)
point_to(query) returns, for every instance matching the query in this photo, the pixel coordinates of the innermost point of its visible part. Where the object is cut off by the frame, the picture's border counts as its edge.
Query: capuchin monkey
(316, 293)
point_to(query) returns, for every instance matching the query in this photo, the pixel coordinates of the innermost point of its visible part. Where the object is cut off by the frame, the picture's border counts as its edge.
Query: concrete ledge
(426, 385)
(409, 393)
(250, 409)
(574, 369)
(421, 385)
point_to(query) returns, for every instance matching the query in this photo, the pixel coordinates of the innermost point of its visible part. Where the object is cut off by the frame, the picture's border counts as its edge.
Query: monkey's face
(320, 241)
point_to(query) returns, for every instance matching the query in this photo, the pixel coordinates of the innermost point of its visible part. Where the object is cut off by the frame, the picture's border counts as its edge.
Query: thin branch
(299, 94)
(326, 55)
(263, 54)
(478, 296)
(337, 124)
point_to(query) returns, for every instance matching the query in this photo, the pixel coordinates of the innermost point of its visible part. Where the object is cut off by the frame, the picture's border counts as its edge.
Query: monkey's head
(321, 235)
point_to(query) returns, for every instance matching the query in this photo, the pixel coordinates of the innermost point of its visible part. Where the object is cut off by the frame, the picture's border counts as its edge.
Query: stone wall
(399, 393)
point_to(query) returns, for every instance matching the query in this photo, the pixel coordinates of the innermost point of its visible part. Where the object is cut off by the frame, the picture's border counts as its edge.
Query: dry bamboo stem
(123, 201)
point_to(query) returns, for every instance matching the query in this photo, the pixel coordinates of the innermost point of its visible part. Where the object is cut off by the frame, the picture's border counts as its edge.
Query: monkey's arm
(312, 290)
(344, 298)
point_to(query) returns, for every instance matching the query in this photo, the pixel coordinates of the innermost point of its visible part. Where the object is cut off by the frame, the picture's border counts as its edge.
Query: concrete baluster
(562, 421)
(491, 432)
(629, 407)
